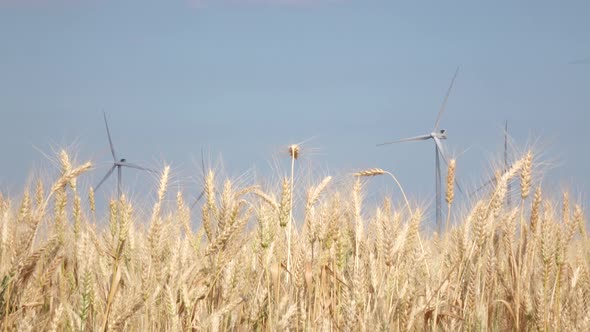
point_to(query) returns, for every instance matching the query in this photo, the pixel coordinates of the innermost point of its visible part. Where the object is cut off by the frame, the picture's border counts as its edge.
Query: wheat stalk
(294, 154)
(370, 172)
(450, 189)
(285, 207)
(140, 268)
(525, 175)
(379, 171)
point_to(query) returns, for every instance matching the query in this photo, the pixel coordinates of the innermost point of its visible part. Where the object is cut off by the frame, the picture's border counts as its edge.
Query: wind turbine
(437, 135)
(117, 163)
(580, 61)
(493, 179)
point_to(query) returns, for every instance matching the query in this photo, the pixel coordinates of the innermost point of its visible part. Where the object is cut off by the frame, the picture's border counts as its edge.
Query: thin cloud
(192, 3)
(287, 3)
(580, 61)
(37, 3)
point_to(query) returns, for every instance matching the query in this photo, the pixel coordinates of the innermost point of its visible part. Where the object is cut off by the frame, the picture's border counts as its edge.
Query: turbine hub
(441, 134)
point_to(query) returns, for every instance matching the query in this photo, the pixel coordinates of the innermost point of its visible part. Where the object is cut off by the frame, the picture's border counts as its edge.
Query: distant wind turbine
(580, 61)
(118, 164)
(493, 179)
(204, 176)
(437, 135)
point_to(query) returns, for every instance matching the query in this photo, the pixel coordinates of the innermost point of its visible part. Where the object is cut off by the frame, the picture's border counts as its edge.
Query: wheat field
(241, 261)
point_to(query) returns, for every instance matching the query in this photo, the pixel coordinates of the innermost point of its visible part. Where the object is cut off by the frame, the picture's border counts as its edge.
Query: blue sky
(243, 79)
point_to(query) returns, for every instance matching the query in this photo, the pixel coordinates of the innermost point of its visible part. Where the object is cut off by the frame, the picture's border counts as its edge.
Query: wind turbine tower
(437, 135)
(117, 163)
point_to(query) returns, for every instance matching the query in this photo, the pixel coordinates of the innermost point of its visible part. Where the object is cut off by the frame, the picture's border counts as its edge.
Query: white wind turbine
(118, 164)
(493, 179)
(437, 135)
(580, 61)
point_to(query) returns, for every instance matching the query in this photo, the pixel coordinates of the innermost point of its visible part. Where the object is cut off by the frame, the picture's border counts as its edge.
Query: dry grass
(352, 268)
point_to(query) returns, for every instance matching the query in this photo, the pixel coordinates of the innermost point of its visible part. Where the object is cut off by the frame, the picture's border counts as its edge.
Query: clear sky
(243, 79)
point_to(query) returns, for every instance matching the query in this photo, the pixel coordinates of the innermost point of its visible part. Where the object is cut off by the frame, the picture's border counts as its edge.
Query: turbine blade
(200, 196)
(109, 135)
(203, 171)
(203, 164)
(580, 61)
(484, 185)
(119, 176)
(458, 185)
(410, 139)
(105, 178)
(444, 104)
(441, 151)
(131, 165)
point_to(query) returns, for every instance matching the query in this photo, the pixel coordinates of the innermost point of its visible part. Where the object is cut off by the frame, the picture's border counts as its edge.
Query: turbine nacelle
(437, 135)
(117, 164)
(441, 134)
